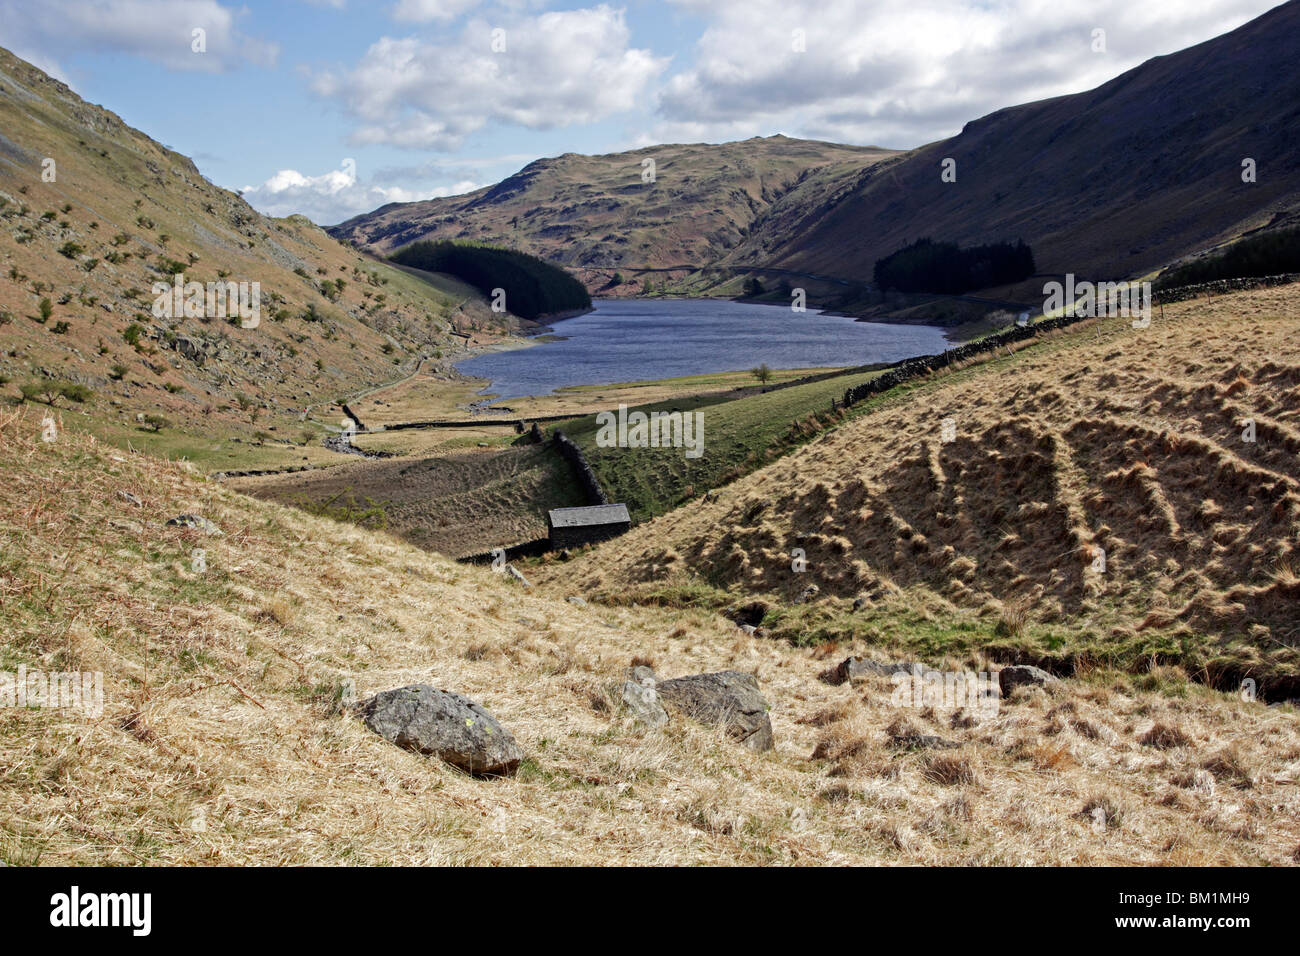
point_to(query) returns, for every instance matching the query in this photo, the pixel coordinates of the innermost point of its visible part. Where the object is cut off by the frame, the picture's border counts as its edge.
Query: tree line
(946, 268)
(533, 287)
(1273, 253)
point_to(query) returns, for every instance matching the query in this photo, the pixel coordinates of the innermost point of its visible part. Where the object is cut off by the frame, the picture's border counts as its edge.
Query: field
(740, 434)
(222, 741)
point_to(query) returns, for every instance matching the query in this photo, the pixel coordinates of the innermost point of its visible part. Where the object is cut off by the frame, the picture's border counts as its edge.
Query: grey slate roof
(589, 515)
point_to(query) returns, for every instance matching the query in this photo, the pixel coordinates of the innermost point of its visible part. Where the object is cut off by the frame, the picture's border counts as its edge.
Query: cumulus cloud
(161, 31)
(907, 72)
(422, 11)
(551, 70)
(336, 195)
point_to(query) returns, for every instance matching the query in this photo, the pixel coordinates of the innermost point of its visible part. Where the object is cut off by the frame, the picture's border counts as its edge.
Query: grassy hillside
(740, 435)
(1103, 437)
(118, 212)
(221, 740)
(596, 216)
(466, 501)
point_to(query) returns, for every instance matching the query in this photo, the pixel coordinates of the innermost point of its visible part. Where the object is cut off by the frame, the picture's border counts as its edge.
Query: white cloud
(556, 69)
(158, 30)
(336, 195)
(907, 72)
(422, 11)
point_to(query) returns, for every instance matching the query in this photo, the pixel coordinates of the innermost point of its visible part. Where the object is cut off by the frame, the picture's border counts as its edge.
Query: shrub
(48, 391)
(118, 372)
(70, 250)
(131, 334)
(47, 309)
(156, 423)
(60, 328)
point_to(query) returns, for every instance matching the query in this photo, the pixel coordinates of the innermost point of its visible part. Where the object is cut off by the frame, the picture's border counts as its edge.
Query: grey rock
(573, 599)
(860, 602)
(441, 724)
(514, 574)
(749, 629)
(924, 742)
(642, 702)
(729, 698)
(1009, 678)
(856, 668)
(190, 349)
(644, 675)
(197, 522)
(130, 499)
(807, 594)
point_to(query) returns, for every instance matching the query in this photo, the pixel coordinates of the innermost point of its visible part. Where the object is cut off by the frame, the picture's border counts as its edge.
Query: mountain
(1117, 181)
(93, 213)
(596, 214)
(1114, 182)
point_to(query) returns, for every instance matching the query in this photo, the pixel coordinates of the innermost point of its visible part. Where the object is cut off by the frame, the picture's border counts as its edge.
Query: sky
(331, 108)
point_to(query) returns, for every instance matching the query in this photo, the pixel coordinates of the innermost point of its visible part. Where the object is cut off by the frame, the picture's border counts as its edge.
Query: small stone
(515, 575)
(197, 522)
(130, 499)
(1009, 678)
(857, 668)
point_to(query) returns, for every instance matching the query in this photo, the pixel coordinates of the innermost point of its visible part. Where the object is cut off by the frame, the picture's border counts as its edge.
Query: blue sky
(418, 96)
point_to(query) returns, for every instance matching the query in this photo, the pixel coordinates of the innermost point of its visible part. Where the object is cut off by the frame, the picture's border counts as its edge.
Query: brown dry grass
(222, 741)
(1103, 442)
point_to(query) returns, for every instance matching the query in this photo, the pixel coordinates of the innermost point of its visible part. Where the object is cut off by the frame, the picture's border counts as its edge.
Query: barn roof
(589, 515)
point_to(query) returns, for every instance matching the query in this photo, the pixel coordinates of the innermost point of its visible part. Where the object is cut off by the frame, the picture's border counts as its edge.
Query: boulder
(643, 675)
(807, 594)
(441, 724)
(1017, 675)
(729, 698)
(642, 702)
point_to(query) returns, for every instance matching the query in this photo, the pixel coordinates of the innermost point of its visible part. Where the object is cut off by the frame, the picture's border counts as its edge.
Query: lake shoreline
(621, 339)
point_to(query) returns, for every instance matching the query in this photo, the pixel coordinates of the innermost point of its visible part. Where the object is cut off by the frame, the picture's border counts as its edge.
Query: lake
(627, 340)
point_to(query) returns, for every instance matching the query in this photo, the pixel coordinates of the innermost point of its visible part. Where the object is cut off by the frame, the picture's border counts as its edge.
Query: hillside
(118, 212)
(1097, 504)
(1110, 183)
(595, 215)
(221, 740)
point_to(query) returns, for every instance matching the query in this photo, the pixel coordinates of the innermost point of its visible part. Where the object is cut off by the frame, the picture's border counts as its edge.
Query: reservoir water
(627, 340)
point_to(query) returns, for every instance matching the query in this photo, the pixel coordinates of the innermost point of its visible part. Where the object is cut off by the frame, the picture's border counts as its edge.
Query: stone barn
(573, 527)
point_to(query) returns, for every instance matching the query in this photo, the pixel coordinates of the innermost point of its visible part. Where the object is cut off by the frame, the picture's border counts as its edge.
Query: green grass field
(740, 435)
